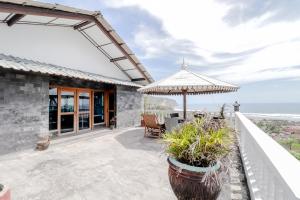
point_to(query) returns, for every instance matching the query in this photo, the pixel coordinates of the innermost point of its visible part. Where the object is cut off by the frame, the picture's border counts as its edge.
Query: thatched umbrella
(185, 83)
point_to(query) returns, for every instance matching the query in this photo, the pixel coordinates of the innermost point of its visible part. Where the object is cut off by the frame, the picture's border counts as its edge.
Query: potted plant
(195, 152)
(4, 192)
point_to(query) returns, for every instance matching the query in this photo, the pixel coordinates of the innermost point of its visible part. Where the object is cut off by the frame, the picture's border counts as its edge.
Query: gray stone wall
(23, 110)
(129, 107)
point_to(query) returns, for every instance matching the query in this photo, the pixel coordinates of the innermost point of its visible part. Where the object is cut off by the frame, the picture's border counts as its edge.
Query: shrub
(199, 143)
(296, 154)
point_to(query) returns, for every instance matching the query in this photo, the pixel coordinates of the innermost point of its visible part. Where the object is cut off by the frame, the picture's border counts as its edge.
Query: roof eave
(56, 10)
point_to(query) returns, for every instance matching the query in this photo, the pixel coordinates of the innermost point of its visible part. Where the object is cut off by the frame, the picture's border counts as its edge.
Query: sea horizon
(250, 108)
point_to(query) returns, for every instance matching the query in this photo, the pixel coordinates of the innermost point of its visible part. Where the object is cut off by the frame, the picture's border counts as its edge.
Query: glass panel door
(83, 110)
(67, 111)
(73, 108)
(98, 108)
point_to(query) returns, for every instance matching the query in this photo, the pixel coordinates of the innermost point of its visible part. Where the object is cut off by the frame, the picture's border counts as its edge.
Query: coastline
(274, 116)
(285, 110)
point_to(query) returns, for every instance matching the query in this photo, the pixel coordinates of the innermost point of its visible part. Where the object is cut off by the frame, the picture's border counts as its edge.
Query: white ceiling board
(37, 19)
(141, 82)
(70, 22)
(113, 51)
(97, 35)
(126, 64)
(3, 15)
(135, 74)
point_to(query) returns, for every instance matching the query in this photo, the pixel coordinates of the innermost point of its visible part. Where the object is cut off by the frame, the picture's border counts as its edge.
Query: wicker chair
(152, 127)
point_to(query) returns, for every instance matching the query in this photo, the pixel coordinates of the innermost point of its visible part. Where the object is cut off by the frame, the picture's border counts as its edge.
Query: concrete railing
(271, 171)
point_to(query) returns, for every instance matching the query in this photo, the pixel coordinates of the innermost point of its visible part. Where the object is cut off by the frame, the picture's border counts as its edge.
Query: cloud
(238, 54)
(273, 10)
(245, 52)
(158, 44)
(234, 40)
(278, 61)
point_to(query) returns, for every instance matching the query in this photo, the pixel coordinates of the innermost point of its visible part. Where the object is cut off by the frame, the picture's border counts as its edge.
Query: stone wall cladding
(23, 110)
(129, 107)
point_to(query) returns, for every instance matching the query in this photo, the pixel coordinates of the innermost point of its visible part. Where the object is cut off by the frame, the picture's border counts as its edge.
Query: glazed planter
(4, 193)
(186, 181)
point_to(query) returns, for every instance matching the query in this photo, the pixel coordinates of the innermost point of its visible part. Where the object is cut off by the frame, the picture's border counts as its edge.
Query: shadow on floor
(134, 139)
(74, 138)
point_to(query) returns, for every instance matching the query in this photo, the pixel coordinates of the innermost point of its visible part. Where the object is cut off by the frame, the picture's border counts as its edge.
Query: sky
(251, 43)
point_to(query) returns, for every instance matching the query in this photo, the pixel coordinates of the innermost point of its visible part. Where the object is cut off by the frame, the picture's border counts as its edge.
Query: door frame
(93, 106)
(78, 91)
(76, 112)
(59, 113)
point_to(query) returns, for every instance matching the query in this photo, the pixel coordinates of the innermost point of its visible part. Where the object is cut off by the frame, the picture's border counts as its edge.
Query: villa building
(63, 70)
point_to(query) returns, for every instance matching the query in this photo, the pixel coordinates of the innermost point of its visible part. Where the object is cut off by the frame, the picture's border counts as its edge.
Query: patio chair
(152, 127)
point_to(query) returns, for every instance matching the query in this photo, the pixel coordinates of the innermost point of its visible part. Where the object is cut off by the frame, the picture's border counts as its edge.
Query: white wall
(56, 45)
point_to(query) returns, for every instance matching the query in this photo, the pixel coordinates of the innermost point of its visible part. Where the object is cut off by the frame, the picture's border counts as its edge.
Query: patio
(118, 164)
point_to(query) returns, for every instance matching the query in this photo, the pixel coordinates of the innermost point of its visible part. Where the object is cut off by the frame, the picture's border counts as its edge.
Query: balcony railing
(271, 171)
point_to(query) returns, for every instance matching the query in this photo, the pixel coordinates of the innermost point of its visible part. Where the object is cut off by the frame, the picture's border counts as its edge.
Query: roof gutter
(46, 12)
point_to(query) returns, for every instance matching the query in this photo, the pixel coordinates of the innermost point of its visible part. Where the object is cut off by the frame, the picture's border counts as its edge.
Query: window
(70, 109)
(84, 121)
(84, 102)
(84, 110)
(67, 123)
(67, 101)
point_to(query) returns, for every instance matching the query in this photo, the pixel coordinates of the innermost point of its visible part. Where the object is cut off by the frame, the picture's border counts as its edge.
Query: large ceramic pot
(4, 192)
(186, 181)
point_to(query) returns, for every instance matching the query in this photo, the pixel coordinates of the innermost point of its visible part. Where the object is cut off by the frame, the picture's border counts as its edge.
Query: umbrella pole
(184, 104)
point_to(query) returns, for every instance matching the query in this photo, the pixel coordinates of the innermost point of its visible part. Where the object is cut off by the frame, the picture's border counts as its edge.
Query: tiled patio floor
(99, 165)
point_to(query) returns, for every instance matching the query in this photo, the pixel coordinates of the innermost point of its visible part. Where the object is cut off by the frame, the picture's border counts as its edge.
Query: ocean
(290, 111)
